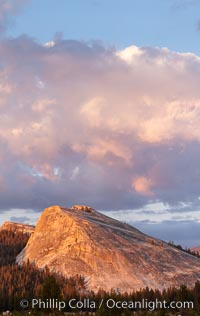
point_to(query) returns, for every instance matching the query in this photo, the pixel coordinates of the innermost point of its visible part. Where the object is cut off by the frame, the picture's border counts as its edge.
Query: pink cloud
(143, 185)
(112, 128)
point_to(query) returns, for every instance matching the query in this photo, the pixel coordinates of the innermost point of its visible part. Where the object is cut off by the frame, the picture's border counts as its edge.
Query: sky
(100, 105)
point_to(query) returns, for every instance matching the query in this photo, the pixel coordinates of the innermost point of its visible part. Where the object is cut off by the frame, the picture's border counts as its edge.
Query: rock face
(110, 254)
(196, 249)
(17, 227)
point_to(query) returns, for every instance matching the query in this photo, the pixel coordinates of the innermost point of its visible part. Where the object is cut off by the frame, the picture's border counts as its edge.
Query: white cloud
(75, 173)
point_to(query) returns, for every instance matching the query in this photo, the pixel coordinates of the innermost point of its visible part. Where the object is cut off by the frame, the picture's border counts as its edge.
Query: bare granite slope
(17, 227)
(196, 249)
(110, 254)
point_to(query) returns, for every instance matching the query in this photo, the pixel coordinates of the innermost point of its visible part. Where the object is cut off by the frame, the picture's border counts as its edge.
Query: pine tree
(50, 288)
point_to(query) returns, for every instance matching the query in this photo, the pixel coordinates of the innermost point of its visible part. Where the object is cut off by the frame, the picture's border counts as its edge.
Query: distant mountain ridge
(17, 227)
(110, 254)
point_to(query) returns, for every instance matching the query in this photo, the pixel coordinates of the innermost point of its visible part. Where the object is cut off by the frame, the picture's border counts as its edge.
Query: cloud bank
(83, 123)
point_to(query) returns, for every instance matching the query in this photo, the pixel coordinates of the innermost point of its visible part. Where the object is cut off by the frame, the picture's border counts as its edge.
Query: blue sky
(163, 23)
(107, 115)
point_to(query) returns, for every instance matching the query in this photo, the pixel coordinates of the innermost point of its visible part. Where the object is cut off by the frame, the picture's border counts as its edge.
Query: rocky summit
(109, 253)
